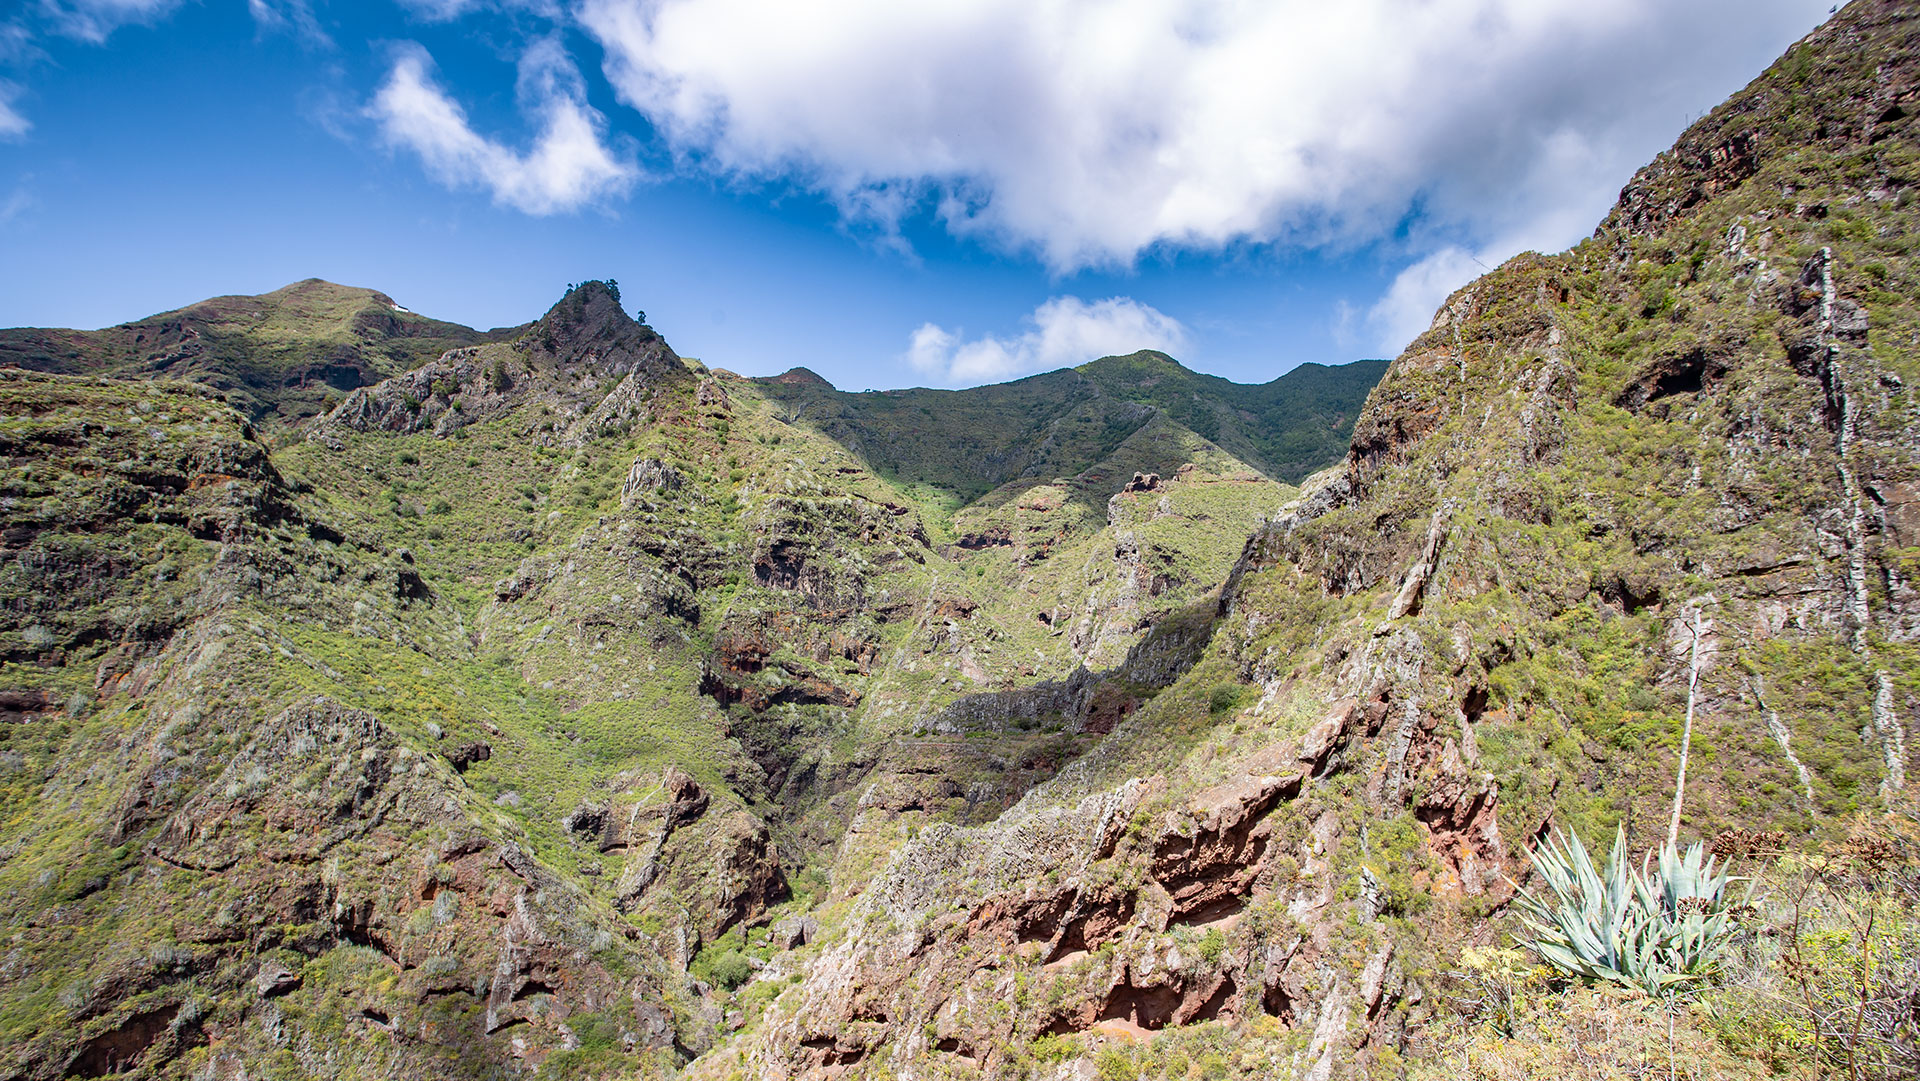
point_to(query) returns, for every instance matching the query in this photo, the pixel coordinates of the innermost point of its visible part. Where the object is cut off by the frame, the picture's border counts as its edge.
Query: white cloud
(1408, 306)
(1065, 331)
(93, 20)
(12, 124)
(448, 10)
(1090, 132)
(570, 164)
(17, 202)
(1565, 164)
(289, 16)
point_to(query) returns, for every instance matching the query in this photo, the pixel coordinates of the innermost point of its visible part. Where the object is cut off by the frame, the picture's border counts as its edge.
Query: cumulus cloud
(1064, 331)
(1092, 132)
(93, 20)
(13, 125)
(570, 164)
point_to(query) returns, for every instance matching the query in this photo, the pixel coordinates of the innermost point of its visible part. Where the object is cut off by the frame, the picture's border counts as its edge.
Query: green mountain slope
(1695, 426)
(551, 631)
(287, 354)
(1286, 428)
(963, 443)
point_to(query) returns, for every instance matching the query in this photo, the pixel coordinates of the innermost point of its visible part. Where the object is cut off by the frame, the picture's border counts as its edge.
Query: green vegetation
(726, 969)
(1661, 929)
(281, 356)
(1808, 985)
(1287, 428)
(962, 444)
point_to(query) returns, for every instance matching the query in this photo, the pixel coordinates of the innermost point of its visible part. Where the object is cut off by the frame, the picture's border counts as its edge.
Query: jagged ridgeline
(548, 704)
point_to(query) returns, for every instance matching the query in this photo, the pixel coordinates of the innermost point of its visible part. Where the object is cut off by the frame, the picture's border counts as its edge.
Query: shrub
(1600, 1033)
(1832, 990)
(1053, 1048)
(727, 969)
(1212, 946)
(1113, 1064)
(731, 969)
(1224, 699)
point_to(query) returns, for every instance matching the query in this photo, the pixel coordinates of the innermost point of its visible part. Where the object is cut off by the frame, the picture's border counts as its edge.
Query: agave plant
(1686, 899)
(1657, 928)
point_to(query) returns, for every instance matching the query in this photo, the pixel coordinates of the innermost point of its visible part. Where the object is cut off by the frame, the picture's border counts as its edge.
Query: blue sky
(936, 193)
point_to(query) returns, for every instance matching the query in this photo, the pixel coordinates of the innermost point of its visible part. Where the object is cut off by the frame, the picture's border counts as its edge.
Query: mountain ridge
(281, 354)
(312, 309)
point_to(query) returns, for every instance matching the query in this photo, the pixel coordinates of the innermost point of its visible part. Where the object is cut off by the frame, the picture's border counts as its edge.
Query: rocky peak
(586, 359)
(1851, 83)
(588, 323)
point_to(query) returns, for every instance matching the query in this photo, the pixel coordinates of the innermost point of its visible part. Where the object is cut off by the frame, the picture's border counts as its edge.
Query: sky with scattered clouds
(942, 192)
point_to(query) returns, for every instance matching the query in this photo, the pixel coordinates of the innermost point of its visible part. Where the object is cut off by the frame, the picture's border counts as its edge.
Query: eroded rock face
(1216, 851)
(1116, 921)
(469, 922)
(585, 361)
(679, 856)
(139, 1039)
(649, 475)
